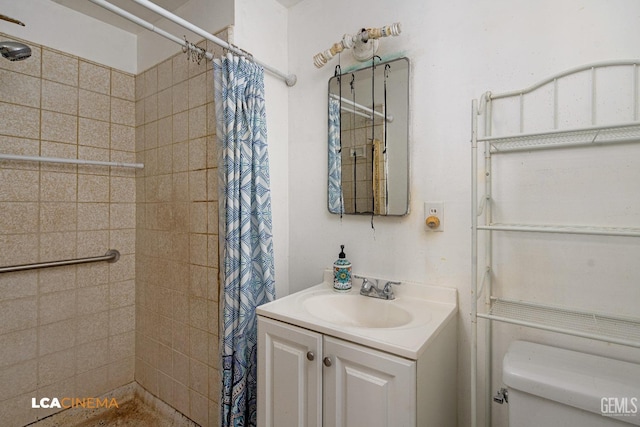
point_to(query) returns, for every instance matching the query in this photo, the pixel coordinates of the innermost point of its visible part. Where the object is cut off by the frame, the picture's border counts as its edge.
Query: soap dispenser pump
(342, 273)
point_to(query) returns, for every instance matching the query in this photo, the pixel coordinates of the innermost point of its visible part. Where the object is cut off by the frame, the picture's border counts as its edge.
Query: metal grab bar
(112, 255)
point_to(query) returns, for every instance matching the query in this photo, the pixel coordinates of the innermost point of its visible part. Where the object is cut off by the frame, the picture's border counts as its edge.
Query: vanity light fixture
(364, 44)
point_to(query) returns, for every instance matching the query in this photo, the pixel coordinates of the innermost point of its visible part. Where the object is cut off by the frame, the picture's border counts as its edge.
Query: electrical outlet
(434, 216)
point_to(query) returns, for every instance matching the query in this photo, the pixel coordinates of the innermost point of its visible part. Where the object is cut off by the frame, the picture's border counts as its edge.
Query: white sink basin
(357, 310)
(403, 326)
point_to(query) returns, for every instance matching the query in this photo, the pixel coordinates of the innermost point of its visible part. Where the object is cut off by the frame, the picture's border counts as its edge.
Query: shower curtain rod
(149, 26)
(362, 107)
(290, 79)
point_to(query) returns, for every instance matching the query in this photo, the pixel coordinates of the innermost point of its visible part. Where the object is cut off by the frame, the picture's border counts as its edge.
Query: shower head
(14, 51)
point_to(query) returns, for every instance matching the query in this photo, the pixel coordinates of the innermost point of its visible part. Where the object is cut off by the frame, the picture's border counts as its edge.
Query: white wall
(61, 28)
(211, 16)
(458, 49)
(261, 28)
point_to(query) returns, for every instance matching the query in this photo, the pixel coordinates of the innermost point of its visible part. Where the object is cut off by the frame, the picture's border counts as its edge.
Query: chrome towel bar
(112, 255)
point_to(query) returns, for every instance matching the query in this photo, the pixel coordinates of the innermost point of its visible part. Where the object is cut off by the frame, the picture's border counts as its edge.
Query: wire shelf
(598, 326)
(565, 139)
(566, 229)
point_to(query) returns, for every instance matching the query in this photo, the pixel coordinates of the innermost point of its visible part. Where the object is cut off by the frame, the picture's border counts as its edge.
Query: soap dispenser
(342, 273)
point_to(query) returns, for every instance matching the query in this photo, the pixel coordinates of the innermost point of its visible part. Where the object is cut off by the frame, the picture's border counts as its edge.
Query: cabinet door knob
(310, 355)
(327, 361)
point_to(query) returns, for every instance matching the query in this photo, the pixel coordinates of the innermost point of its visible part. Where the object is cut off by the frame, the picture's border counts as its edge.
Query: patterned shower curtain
(245, 219)
(336, 200)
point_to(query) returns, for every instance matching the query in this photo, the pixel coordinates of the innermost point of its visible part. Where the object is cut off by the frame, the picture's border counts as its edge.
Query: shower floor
(130, 414)
(136, 408)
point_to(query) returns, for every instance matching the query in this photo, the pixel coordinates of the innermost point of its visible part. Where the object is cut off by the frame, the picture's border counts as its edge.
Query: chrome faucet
(370, 288)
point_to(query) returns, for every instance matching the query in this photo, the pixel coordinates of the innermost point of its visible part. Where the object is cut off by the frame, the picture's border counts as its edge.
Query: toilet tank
(550, 386)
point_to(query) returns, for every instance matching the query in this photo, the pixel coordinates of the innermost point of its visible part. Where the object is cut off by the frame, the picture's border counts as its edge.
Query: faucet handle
(388, 290)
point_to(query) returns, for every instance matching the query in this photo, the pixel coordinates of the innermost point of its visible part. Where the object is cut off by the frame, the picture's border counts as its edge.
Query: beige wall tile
(198, 90)
(57, 217)
(151, 108)
(57, 279)
(123, 138)
(123, 240)
(18, 379)
(93, 216)
(58, 187)
(165, 103)
(165, 74)
(59, 67)
(121, 372)
(181, 157)
(92, 327)
(59, 97)
(199, 409)
(93, 133)
(18, 346)
(198, 186)
(181, 396)
(18, 248)
(124, 269)
(165, 131)
(197, 122)
(123, 112)
(56, 337)
(19, 185)
(18, 314)
(92, 383)
(56, 306)
(121, 346)
(197, 154)
(93, 299)
(181, 126)
(122, 294)
(180, 69)
(20, 89)
(122, 215)
(151, 81)
(180, 95)
(123, 190)
(20, 121)
(94, 105)
(95, 77)
(59, 127)
(58, 245)
(56, 367)
(93, 188)
(92, 243)
(122, 85)
(122, 320)
(198, 345)
(18, 285)
(198, 249)
(92, 355)
(19, 217)
(23, 146)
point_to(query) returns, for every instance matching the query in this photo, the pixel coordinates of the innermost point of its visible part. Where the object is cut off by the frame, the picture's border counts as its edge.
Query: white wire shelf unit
(605, 327)
(598, 326)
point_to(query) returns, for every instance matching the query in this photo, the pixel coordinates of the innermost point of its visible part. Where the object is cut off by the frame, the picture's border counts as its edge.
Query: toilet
(552, 387)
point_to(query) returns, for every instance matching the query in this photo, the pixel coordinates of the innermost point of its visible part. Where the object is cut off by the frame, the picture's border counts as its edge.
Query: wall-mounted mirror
(369, 140)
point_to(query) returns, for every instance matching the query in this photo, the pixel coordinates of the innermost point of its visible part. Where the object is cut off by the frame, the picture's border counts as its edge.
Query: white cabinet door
(289, 375)
(367, 388)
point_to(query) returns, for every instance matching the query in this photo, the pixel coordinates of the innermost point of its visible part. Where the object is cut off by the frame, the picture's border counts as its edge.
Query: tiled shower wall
(177, 355)
(65, 331)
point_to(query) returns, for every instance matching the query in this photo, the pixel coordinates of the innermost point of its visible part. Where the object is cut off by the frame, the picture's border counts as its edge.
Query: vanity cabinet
(310, 379)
